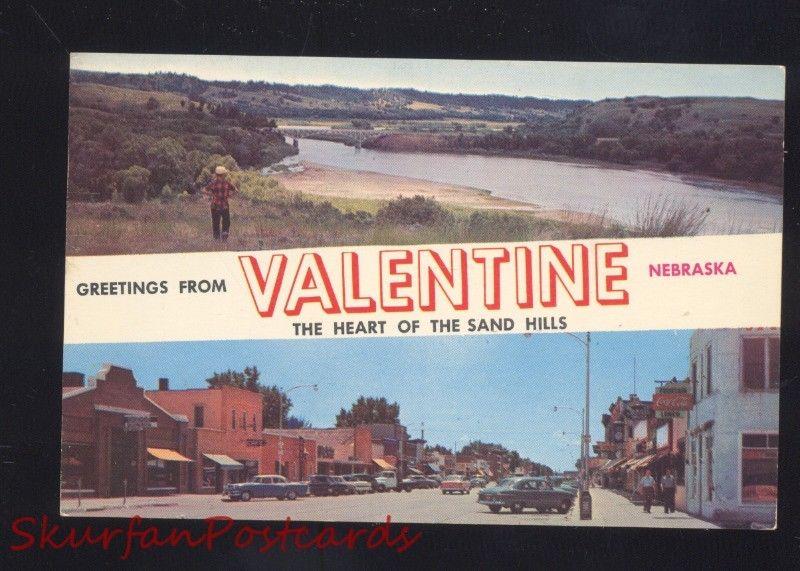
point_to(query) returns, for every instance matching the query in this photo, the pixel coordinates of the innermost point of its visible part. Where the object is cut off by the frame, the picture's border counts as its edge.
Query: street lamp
(582, 415)
(585, 501)
(280, 421)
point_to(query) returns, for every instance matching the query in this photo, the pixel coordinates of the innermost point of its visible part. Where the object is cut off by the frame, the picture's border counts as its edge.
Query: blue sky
(555, 80)
(496, 388)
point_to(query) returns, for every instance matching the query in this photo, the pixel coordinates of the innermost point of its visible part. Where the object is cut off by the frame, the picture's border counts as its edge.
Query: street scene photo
(191, 153)
(651, 429)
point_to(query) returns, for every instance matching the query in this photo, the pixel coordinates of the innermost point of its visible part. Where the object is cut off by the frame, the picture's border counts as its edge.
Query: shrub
(415, 210)
(664, 218)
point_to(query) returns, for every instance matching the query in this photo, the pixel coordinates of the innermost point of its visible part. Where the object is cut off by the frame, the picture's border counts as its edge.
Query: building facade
(116, 441)
(732, 430)
(225, 425)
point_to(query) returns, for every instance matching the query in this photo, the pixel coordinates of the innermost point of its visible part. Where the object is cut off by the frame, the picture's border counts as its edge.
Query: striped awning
(167, 454)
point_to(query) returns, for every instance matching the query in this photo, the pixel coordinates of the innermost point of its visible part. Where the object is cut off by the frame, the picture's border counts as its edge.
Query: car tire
(444, 492)
(408, 490)
(516, 508)
(495, 509)
(564, 507)
(291, 495)
(381, 488)
(245, 496)
(332, 492)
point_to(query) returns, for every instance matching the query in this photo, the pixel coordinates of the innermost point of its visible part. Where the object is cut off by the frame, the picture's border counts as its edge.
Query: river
(619, 193)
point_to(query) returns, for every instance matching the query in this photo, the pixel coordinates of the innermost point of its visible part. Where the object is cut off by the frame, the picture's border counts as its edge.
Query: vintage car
(455, 484)
(517, 494)
(478, 482)
(322, 485)
(266, 486)
(423, 482)
(370, 479)
(361, 486)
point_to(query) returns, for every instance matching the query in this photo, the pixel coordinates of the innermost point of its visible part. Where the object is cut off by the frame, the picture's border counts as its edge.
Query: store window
(161, 474)
(694, 380)
(244, 421)
(254, 422)
(759, 468)
(709, 467)
(199, 416)
(209, 474)
(761, 357)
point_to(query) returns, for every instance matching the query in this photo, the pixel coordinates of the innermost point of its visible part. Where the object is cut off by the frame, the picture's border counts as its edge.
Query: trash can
(585, 504)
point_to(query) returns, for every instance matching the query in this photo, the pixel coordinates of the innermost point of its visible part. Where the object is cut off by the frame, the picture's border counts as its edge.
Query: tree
(276, 402)
(165, 160)
(152, 103)
(369, 410)
(438, 448)
(133, 182)
(296, 422)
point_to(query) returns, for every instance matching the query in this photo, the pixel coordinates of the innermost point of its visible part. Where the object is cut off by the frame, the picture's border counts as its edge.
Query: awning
(224, 461)
(643, 462)
(382, 464)
(167, 454)
(414, 471)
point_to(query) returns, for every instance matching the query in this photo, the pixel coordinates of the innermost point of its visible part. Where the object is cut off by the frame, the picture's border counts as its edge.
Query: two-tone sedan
(455, 484)
(516, 494)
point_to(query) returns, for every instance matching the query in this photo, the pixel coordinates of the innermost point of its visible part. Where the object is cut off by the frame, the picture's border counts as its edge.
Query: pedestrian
(647, 489)
(219, 190)
(668, 491)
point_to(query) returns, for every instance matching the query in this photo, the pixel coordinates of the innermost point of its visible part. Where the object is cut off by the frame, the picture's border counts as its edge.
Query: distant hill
(334, 102)
(730, 138)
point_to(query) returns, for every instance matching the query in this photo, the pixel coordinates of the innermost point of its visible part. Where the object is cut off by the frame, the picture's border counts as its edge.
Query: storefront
(732, 436)
(219, 469)
(116, 442)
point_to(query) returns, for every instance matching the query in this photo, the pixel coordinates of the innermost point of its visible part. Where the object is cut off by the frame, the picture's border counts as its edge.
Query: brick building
(115, 440)
(227, 441)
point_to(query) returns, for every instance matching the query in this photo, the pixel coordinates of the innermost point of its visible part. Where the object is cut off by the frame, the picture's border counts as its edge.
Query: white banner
(525, 287)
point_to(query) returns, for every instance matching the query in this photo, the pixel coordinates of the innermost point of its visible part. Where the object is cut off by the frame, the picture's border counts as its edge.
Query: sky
(553, 80)
(495, 388)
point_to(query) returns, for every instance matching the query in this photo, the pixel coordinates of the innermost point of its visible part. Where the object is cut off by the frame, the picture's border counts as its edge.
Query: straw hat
(220, 170)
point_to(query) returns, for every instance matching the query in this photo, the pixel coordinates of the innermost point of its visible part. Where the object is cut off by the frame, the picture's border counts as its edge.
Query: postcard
(453, 292)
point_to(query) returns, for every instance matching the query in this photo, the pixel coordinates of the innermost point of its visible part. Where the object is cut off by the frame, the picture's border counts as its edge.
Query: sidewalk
(69, 505)
(611, 508)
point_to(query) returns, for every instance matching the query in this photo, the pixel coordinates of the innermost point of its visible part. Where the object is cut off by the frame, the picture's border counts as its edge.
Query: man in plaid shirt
(219, 190)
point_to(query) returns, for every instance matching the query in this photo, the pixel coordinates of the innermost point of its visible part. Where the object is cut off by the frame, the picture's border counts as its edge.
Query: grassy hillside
(136, 144)
(730, 138)
(334, 102)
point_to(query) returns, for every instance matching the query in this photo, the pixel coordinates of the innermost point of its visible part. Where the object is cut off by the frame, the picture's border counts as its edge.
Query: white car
(361, 486)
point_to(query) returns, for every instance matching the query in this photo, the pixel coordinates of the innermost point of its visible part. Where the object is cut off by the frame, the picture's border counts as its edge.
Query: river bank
(426, 143)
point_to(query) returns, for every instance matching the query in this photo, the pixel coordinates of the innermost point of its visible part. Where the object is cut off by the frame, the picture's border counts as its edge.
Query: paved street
(419, 506)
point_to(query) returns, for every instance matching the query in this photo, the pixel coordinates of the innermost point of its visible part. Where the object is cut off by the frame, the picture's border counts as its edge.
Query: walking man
(647, 489)
(668, 491)
(219, 190)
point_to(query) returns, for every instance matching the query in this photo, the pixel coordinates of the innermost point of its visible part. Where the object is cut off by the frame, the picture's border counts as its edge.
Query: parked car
(478, 482)
(266, 486)
(386, 480)
(423, 482)
(322, 485)
(517, 494)
(455, 484)
(373, 482)
(360, 485)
